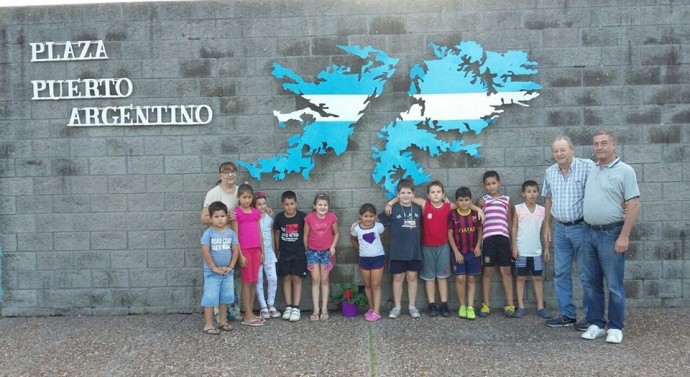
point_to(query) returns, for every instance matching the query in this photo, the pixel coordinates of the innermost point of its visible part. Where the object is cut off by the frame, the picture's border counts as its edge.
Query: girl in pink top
(320, 237)
(248, 229)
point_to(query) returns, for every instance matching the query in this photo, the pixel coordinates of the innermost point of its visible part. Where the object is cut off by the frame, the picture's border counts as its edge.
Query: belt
(573, 222)
(605, 226)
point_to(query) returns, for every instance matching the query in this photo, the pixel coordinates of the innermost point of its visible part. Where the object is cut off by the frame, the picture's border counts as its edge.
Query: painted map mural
(462, 90)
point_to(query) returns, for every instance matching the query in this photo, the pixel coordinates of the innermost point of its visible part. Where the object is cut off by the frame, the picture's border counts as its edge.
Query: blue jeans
(602, 262)
(567, 245)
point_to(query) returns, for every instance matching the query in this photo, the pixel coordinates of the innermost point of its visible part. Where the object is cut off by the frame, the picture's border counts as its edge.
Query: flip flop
(225, 327)
(314, 317)
(212, 331)
(324, 317)
(252, 322)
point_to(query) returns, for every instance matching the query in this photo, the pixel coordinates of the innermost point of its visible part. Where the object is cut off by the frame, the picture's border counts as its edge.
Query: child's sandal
(314, 317)
(324, 317)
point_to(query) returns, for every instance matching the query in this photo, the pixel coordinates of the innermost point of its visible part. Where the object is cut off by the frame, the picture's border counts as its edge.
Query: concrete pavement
(656, 343)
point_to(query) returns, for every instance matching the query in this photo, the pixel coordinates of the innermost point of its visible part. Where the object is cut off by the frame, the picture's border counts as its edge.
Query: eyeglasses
(228, 173)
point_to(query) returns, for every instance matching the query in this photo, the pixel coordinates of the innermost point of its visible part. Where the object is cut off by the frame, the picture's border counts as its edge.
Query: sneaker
(462, 312)
(592, 333)
(444, 310)
(234, 313)
(614, 336)
(433, 310)
(295, 314)
(470, 313)
(484, 311)
(368, 313)
(414, 313)
(544, 314)
(519, 313)
(264, 313)
(560, 321)
(287, 312)
(582, 325)
(509, 311)
(394, 313)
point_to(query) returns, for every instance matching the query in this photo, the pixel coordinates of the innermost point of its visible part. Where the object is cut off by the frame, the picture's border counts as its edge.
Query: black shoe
(433, 310)
(444, 310)
(561, 321)
(582, 325)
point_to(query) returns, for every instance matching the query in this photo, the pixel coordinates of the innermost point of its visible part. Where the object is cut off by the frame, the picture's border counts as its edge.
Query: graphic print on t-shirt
(369, 237)
(291, 233)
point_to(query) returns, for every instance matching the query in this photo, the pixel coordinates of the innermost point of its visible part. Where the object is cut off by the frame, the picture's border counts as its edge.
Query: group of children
(287, 246)
(434, 238)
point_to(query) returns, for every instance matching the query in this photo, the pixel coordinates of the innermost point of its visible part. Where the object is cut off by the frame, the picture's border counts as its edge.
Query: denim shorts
(218, 289)
(322, 257)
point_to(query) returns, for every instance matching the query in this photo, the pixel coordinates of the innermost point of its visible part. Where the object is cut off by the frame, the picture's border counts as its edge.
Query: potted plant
(350, 299)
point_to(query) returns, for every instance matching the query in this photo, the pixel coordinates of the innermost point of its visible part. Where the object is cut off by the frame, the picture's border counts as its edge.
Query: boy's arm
(206, 254)
(546, 252)
(276, 241)
(235, 256)
(336, 236)
(478, 247)
(306, 236)
(513, 235)
(389, 206)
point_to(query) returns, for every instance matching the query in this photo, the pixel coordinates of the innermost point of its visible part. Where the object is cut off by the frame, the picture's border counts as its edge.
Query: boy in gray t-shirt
(405, 250)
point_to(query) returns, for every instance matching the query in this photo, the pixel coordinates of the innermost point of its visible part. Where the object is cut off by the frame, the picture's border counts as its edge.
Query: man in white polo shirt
(606, 240)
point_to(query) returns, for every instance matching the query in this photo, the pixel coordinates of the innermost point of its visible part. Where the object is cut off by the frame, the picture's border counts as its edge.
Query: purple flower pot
(349, 309)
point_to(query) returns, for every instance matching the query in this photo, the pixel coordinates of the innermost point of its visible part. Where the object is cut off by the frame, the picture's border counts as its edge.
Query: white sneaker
(294, 315)
(593, 332)
(614, 336)
(287, 312)
(414, 313)
(394, 313)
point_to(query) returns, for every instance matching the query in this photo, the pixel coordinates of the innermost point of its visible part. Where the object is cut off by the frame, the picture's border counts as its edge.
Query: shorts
(292, 264)
(218, 289)
(526, 266)
(472, 265)
(400, 266)
(372, 263)
(322, 257)
(496, 251)
(435, 262)
(250, 274)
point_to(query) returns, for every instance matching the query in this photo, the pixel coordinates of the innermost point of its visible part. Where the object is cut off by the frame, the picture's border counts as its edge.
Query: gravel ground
(656, 343)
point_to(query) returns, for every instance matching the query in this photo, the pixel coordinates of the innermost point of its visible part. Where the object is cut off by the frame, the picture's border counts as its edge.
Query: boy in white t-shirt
(526, 230)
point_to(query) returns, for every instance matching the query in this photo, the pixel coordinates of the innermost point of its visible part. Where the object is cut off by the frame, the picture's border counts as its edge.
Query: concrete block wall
(104, 220)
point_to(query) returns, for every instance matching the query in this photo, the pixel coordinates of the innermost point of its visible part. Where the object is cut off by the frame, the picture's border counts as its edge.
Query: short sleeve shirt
(291, 229)
(369, 240)
(320, 230)
(220, 244)
(434, 224)
(465, 229)
(566, 192)
(248, 228)
(406, 224)
(606, 190)
(217, 194)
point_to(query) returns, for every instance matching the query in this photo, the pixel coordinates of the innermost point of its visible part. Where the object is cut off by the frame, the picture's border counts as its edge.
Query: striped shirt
(567, 193)
(464, 229)
(496, 216)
